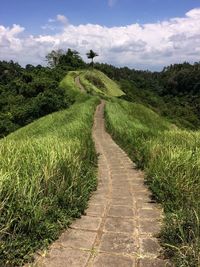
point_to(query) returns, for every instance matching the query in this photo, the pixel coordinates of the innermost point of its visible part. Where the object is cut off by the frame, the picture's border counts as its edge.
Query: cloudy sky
(142, 34)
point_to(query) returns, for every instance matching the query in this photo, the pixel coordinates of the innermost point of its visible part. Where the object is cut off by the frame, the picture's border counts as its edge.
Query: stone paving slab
(64, 257)
(120, 211)
(96, 210)
(149, 246)
(122, 201)
(117, 225)
(75, 238)
(151, 228)
(118, 242)
(121, 222)
(87, 223)
(109, 260)
(148, 262)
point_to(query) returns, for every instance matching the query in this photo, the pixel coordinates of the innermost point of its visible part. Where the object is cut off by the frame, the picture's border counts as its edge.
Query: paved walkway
(119, 226)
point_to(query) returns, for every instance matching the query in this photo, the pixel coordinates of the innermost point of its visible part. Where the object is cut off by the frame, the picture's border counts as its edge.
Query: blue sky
(33, 14)
(118, 28)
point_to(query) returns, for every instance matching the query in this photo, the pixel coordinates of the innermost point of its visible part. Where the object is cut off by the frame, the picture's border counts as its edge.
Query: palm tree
(91, 55)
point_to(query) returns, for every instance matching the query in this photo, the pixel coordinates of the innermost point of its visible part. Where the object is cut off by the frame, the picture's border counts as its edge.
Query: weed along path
(119, 227)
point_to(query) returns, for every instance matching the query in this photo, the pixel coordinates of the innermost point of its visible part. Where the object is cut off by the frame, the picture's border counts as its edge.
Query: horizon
(144, 35)
(97, 62)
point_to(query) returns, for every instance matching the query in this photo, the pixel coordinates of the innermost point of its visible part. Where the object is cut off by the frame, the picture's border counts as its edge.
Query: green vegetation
(69, 60)
(173, 93)
(91, 55)
(178, 110)
(28, 94)
(48, 170)
(95, 82)
(68, 82)
(171, 160)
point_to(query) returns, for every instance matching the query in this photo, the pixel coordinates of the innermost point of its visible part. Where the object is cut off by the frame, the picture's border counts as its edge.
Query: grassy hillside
(174, 92)
(94, 82)
(69, 81)
(178, 110)
(171, 160)
(48, 170)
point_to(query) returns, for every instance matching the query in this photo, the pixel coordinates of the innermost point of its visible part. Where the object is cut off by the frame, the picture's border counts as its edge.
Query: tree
(91, 55)
(71, 59)
(53, 57)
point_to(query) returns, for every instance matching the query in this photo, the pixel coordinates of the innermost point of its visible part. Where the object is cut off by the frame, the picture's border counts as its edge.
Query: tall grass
(171, 160)
(47, 172)
(96, 81)
(69, 81)
(89, 86)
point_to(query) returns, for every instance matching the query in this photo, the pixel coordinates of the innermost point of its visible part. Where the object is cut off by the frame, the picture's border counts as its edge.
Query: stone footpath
(121, 221)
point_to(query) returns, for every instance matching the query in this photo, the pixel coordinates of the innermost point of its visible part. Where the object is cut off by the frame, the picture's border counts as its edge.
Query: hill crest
(94, 82)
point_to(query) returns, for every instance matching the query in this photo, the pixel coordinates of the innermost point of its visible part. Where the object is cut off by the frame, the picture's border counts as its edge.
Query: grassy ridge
(69, 81)
(97, 81)
(47, 171)
(170, 158)
(94, 82)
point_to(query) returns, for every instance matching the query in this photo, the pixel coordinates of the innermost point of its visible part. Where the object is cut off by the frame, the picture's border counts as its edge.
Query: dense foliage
(48, 169)
(27, 94)
(171, 160)
(173, 92)
(32, 92)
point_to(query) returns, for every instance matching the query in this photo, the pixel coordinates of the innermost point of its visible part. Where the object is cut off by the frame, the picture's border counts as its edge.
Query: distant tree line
(31, 92)
(174, 92)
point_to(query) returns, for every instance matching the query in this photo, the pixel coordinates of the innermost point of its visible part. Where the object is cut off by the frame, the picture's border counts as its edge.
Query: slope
(170, 158)
(47, 171)
(116, 229)
(95, 82)
(37, 193)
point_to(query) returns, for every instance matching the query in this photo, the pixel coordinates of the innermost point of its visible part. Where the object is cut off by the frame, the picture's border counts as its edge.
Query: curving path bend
(78, 83)
(120, 224)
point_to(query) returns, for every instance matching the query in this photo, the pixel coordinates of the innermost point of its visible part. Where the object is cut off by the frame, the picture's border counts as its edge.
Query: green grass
(94, 82)
(69, 81)
(97, 81)
(47, 172)
(171, 160)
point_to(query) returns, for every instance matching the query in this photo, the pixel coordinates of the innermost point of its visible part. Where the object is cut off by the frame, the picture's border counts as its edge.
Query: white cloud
(51, 20)
(150, 45)
(193, 13)
(10, 40)
(54, 24)
(62, 19)
(49, 27)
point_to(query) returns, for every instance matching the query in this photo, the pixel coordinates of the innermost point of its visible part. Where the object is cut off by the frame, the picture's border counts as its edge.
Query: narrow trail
(78, 83)
(121, 221)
